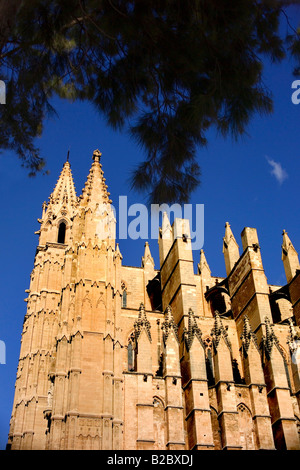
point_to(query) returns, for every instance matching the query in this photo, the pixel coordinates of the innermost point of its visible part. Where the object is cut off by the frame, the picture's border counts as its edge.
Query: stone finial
(219, 331)
(147, 258)
(230, 249)
(193, 330)
(203, 267)
(117, 252)
(270, 339)
(293, 339)
(169, 324)
(228, 237)
(289, 257)
(96, 155)
(166, 228)
(247, 336)
(142, 323)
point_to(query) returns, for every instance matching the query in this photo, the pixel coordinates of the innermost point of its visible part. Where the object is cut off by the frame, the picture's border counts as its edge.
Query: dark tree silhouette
(166, 70)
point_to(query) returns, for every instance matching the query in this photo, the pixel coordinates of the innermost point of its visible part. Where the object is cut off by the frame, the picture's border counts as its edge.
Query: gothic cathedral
(132, 358)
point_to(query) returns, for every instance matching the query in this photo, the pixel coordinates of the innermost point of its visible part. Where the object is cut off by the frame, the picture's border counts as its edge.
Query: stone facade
(118, 357)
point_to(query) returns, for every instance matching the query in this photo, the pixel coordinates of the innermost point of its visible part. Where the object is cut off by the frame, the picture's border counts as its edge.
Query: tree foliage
(166, 69)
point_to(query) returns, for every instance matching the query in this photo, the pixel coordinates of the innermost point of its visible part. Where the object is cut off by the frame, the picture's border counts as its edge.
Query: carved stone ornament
(169, 324)
(248, 336)
(293, 341)
(193, 331)
(218, 332)
(270, 339)
(142, 323)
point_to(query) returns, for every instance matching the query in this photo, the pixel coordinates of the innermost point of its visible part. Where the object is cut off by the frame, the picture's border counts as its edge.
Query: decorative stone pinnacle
(247, 336)
(193, 330)
(294, 337)
(147, 256)
(270, 339)
(117, 252)
(228, 235)
(169, 324)
(218, 331)
(142, 323)
(96, 155)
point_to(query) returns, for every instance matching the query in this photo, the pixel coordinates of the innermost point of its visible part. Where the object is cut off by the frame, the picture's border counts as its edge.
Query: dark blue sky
(238, 186)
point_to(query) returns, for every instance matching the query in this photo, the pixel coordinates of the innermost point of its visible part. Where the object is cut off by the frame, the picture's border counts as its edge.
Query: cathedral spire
(64, 191)
(289, 257)
(95, 191)
(58, 214)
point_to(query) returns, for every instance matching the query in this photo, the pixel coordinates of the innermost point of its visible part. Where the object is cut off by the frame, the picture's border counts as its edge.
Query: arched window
(124, 299)
(61, 233)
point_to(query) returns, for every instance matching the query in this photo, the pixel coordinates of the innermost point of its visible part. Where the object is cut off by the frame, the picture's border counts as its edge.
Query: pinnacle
(228, 233)
(147, 258)
(286, 244)
(117, 252)
(193, 329)
(289, 257)
(166, 226)
(247, 335)
(218, 331)
(169, 324)
(97, 155)
(64, 191)
(270, 337)
(202, 256)
(95, 189)
(142, 323)
(203, 263)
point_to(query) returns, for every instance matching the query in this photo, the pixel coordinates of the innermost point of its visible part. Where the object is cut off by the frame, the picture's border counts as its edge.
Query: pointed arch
(61, 232)
(86, 314)
(246, 428)
(159, 424)
(99, 314)
(216, 429)
(124, 299)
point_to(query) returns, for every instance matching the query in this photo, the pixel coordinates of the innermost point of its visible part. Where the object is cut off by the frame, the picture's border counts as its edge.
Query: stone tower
(133, 358)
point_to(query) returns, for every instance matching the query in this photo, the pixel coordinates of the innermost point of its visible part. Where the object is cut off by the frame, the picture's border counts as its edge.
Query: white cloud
(277, 170)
